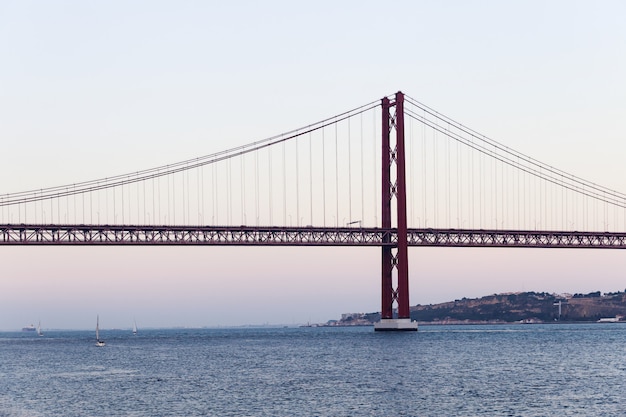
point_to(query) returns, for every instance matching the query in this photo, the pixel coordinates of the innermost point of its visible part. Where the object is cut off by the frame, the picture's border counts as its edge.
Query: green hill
(516, 307)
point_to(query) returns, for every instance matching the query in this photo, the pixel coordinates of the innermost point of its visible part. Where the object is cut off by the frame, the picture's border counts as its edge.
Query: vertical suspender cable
(153, 204)
(471, 168)
(256, 186)
(493, 191)
(519, 197)
(144, 204)
(114, 206)
(172, 219)
(458, 184)
(606, 213)
(297, 184)
(580, 210)
(159, 194)
(362, 180)
(449, 181)
(284, 187)
(424, 170)
(311, 179)
(323, 178)
(198, 222)
(435, 178)
(615, 218)
(554, 207)
(563, 206)
(243, 187)
(543, 200)
(495, 188)
(349, 172)
(505, 191)
(410, 146)
(228, 193)
(214, 201)
(374, 170)
(481, 196)
(336, 179)
(204, 219)
(188, 188)
(143, 184)
(271, 188)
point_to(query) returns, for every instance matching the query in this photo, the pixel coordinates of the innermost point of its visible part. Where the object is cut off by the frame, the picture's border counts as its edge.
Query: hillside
(513, 307)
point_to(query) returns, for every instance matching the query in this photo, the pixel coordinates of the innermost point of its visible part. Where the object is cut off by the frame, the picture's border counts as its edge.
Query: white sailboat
(134, 327)
(98, 341)
(39, 332)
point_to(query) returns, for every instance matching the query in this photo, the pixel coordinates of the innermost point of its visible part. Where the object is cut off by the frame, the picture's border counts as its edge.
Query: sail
(98, 341)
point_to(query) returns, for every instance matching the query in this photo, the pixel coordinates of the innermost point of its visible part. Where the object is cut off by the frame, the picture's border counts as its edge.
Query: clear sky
(95, 89)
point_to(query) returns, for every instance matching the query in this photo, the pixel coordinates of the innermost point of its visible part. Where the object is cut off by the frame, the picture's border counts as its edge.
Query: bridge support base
(394, 325)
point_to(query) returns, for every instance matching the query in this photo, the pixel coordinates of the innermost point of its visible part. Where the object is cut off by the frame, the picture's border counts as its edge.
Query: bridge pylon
(394, 257)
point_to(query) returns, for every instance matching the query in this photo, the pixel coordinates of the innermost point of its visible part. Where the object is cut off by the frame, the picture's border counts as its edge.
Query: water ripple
(516, 370)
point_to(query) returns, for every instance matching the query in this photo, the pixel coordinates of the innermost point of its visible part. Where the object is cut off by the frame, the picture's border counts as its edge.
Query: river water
(503, 370)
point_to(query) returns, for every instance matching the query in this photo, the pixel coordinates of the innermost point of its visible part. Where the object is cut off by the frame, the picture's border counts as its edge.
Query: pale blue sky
(95, 89)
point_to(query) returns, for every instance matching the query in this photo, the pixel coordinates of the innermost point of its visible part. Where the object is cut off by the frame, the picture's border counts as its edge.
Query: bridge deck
(99, 235)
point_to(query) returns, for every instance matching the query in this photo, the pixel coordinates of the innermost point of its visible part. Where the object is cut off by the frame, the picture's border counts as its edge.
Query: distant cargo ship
(30, 328)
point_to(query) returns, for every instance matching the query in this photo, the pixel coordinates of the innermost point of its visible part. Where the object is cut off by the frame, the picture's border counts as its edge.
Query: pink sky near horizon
(218, 286)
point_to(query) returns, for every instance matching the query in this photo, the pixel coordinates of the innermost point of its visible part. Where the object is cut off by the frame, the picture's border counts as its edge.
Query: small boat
(99, 342)
(134, 327)
(39, 332)
(615, 319)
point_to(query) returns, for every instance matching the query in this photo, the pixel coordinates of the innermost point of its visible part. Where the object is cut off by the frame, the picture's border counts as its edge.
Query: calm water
(516, 370)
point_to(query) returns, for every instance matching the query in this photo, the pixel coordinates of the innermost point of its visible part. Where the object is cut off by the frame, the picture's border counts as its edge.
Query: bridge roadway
(101, 235)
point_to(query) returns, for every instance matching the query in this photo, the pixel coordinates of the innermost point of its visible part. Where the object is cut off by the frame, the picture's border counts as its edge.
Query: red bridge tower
(396, 256)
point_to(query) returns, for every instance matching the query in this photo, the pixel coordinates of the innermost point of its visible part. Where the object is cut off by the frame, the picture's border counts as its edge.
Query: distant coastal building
(352, 319)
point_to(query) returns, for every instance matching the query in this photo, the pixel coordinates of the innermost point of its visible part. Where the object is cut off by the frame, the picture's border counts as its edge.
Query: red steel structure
(395, 256)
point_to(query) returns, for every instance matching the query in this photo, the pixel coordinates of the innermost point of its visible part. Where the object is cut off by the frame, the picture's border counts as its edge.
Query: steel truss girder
(98, 235)
(516, 239)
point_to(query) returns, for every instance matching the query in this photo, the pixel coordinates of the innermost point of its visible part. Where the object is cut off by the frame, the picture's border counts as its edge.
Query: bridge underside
(99, 235)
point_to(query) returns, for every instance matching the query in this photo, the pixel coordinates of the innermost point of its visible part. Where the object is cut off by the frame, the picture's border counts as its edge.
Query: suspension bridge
(392, 173)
